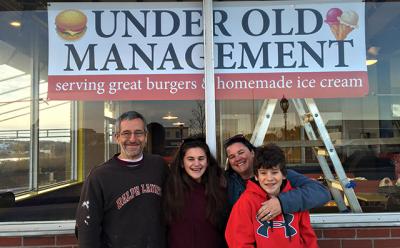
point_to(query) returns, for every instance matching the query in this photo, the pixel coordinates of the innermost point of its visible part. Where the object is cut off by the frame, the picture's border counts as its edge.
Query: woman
(240, 154)
(195, 199)
(306, 194)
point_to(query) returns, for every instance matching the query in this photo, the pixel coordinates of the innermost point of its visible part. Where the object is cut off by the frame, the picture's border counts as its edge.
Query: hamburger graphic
(71, 24)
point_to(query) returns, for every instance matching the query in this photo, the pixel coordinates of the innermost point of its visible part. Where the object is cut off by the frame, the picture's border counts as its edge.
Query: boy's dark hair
(268, 157)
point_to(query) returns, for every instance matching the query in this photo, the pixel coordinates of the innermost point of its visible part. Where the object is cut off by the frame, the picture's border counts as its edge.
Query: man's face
(270, 180)
(241, 159)
(132, 138)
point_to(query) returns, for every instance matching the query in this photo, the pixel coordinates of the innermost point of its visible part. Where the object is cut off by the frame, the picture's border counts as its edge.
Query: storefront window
(35, 132)
(49, 145)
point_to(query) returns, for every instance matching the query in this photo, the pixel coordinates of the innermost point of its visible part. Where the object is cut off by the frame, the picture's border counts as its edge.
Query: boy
(285, 230)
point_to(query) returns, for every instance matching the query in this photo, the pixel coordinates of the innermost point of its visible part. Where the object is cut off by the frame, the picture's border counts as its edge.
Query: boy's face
(270, 180)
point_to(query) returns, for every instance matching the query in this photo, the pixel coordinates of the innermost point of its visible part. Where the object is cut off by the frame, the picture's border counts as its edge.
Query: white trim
(209, 93)
(355, 220)
(38, 228)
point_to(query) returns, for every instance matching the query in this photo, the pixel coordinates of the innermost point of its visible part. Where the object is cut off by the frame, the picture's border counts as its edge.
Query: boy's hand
(269, 209)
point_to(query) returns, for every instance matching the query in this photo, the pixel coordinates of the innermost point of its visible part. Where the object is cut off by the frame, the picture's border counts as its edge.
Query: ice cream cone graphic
(343, 31)
(348, 22)
(341, 23)
(332, 20)
(335, 30)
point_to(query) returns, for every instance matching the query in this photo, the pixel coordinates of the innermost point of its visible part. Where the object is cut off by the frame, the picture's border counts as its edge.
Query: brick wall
(65, 241)
(374, 237)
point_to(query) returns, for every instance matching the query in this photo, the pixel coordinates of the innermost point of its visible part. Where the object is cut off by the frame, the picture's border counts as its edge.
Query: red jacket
(244, 230)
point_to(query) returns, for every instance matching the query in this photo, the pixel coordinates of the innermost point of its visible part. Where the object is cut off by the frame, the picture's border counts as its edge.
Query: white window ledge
(36, 228)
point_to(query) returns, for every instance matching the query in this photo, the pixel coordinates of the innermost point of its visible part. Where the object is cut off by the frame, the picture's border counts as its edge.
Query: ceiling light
(170, 117)
(178, 123)
(371, 61)
(15, 24)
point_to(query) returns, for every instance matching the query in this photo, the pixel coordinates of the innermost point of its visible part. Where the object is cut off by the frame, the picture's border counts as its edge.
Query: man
(120, 203)
(306, 195)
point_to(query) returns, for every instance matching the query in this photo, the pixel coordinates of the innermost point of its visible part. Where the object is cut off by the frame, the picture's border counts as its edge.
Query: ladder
(261, 128)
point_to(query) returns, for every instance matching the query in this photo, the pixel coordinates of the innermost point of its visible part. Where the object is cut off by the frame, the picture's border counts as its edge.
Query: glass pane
(15, 95)
(55, 118)
(365, 131)
(55, 143)
(22, 63)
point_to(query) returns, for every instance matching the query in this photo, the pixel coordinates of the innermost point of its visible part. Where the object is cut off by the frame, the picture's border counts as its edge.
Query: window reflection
(55, 162)
(14, 129)
(164, 136)
(365, 131)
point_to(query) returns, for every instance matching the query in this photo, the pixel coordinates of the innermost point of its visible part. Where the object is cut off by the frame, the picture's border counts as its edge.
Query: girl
(194, 198)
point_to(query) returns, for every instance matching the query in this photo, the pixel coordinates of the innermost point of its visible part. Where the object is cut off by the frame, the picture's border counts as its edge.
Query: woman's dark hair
(269, 156)
(179, 185)
(239, 138)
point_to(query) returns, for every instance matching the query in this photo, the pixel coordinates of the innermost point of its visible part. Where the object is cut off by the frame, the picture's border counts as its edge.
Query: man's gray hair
(130, 115)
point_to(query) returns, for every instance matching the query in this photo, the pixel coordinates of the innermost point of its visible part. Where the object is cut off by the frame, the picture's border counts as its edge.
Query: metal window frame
(34, 118)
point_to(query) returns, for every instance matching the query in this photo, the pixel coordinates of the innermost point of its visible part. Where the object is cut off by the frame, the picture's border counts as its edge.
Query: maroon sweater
(193, 230)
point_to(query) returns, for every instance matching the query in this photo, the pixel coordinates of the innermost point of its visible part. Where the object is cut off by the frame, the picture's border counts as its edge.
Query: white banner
(155, 50)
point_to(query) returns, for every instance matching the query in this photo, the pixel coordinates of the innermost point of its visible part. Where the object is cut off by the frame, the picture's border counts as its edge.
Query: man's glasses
(128, 134)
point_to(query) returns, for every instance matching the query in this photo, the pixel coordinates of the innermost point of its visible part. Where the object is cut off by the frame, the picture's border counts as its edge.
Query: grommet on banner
(351, 185)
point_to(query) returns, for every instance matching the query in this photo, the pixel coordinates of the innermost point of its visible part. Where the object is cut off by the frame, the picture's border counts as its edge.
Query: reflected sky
(15, 103)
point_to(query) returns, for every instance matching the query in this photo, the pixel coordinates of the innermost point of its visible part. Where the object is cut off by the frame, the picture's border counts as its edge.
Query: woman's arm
(307, 194)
